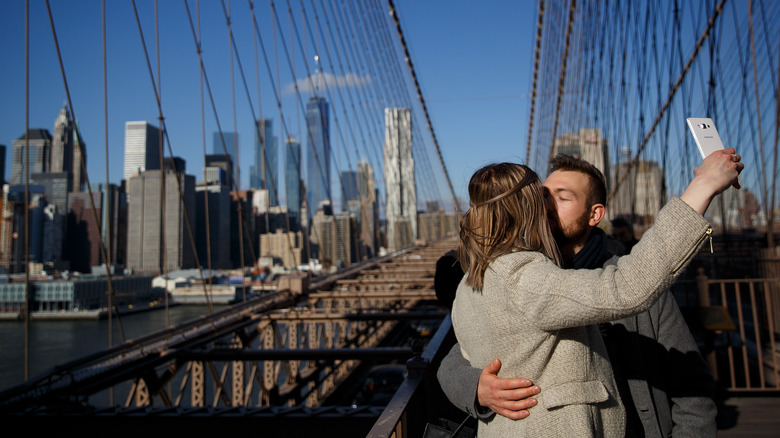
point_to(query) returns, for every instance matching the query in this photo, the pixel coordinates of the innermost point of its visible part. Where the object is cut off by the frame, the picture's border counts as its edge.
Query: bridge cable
(83, 165)
(422, 101)
(562, 78)
(170, 151)
(26, 171)
(208, 287)
(672, 92)
(763, 169)
(108, 186)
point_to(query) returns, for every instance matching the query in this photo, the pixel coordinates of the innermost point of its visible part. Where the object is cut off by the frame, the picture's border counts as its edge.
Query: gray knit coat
(540, 321)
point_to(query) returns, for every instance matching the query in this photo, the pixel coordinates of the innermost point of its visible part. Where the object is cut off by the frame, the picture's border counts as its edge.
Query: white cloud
(322, 82)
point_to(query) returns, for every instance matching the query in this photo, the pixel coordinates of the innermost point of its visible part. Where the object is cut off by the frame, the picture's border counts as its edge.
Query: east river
(57, 342)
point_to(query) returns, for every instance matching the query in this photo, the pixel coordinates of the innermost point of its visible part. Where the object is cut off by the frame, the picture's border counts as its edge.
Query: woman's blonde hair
(506, 214)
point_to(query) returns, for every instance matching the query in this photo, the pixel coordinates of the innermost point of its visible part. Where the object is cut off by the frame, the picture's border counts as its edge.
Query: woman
(516, 303)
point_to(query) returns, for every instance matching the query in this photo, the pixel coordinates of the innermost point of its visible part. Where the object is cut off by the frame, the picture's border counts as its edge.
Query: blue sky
(473, 63)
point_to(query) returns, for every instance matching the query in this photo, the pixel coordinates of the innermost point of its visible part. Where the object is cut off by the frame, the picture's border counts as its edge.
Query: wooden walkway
(746, 417)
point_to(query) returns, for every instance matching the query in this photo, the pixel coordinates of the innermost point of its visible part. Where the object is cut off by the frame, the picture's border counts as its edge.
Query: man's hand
(507, 397)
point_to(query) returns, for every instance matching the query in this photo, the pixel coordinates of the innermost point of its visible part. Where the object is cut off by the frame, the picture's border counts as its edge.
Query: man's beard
(568, 234)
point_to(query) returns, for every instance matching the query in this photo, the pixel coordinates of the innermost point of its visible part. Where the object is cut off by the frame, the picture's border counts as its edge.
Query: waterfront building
(317, 153)
(39, 141)
(143, 146)
(84, 293)
(12, 249)
(293, 182)
(401, 191)
(82, 248)
(55, 186)
(212, 239)
(151, 219)
(243, 234)
(285, 246)
(55, 191)
(264, 173)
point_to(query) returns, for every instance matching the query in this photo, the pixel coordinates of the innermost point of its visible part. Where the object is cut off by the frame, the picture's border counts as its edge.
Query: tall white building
(142, 148)
(399, 178)
(157, 230)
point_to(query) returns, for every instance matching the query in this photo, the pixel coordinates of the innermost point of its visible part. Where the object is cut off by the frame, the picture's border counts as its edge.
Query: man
(662, 378)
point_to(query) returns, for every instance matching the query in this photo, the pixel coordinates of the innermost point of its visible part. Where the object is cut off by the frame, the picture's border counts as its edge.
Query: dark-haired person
(517, 304)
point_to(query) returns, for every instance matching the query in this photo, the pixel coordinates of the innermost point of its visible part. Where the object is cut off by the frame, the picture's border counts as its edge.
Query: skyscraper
(145, 243)
(65, 151)
(142, 148)
(292, 179)
(226, 142)
(264, 173)
(399, 179)
(317, 154)
(368, 219)
(224, 163)
(82, 248)
(39, 149)
(2, 164)
(61, 158)
(348, 187)
(212, 238)
(230, 140)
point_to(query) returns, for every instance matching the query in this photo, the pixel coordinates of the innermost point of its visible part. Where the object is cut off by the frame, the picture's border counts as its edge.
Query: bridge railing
(419, 399)
(737, 325)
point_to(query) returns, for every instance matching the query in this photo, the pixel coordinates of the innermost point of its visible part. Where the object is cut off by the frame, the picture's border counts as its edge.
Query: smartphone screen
(705, 134)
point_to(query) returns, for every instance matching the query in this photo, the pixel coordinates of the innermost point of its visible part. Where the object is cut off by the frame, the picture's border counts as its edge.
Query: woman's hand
(716, 173)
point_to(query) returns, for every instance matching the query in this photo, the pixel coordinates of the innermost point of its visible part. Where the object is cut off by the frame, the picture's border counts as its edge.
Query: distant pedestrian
(623, 232)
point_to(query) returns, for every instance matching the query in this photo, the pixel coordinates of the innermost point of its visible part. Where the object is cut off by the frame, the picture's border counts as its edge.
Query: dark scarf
(593, 254)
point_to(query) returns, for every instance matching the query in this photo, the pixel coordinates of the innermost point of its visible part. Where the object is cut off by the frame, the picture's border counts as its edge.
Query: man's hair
(598, 186)
(507, 213)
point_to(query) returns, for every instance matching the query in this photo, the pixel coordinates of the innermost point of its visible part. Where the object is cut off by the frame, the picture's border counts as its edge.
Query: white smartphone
(706, 136)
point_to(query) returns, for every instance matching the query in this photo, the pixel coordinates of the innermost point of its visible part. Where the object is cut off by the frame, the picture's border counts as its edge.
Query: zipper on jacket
(695, 249)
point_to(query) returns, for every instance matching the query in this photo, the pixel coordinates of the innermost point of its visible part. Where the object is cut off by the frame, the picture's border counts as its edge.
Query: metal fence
(740, 324)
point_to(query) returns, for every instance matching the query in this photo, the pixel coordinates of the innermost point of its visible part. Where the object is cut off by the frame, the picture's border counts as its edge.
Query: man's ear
(597, 212)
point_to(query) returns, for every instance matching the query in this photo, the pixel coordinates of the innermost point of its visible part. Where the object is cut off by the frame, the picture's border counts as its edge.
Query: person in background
(623, 232)
(446, 278)
(660, 374)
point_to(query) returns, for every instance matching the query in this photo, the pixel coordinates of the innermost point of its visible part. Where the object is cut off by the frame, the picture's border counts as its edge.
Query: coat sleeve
(551, 298)
(459, 381)
(691, 388)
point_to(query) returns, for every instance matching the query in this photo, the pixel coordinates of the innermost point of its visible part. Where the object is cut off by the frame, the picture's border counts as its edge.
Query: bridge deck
(757, 416)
